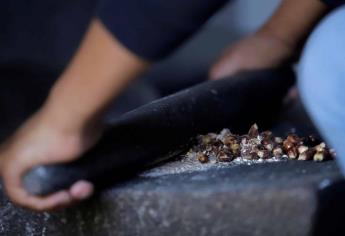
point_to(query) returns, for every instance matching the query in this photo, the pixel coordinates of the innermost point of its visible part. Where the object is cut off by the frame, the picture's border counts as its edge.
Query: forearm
(100, 70)
(293, 21)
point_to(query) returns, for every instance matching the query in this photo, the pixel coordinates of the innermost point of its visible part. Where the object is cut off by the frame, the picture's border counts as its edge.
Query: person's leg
(322, 80)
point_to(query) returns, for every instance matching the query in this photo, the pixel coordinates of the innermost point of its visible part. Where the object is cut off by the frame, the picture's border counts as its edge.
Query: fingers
(81, 190)
(12, 178)
(35, 143)
(55, 201)
(20, 197)
(62, 199)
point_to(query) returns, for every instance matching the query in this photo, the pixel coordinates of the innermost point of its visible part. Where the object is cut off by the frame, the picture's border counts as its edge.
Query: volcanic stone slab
(285, 198)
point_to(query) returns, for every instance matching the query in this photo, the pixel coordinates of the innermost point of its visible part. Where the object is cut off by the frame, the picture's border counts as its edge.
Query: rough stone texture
(288, 198)
(285, 198)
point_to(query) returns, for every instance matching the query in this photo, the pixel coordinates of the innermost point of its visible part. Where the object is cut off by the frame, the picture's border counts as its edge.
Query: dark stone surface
(286, 198)
(289, 198)
(269, 199)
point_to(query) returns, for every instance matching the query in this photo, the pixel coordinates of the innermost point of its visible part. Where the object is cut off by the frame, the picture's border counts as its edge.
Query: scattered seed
(302, 149)
(202, 157)
(307, 155)
(278, 140)
(292, 153)
(278, 152)
(225, 147)
(253, 131)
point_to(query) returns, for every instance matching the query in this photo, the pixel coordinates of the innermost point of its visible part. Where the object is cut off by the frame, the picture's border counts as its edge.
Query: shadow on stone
(330, 214)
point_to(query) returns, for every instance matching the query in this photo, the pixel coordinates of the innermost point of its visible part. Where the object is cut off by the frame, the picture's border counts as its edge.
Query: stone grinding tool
(163, 128)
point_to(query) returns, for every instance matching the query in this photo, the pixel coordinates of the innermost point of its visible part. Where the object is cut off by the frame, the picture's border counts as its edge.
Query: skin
(68, 123)
(277, 42)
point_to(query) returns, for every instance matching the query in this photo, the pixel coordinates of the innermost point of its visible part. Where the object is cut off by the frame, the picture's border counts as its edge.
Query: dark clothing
(47, 33)
(153, 28)
(334, 2)
(42, 33)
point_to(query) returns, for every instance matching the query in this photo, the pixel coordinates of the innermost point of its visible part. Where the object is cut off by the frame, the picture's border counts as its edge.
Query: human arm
(69, 121)
(277, 42)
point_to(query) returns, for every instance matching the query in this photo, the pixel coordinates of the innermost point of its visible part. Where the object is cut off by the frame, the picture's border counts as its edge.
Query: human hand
(39, 141)
(258, 51)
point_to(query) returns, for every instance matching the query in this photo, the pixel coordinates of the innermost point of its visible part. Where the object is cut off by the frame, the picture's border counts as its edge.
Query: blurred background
(191, 62)
(46, 33)
(38, 39)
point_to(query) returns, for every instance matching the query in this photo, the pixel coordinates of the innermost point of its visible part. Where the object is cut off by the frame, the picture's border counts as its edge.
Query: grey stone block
(288, 198)
(285, 198)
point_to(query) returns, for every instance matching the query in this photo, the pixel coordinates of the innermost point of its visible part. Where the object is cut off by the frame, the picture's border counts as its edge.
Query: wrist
(285, 51)
(271, 33)
(73, 140)
(68, 120)
(293, 21)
